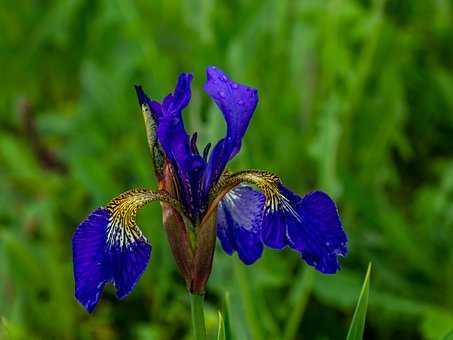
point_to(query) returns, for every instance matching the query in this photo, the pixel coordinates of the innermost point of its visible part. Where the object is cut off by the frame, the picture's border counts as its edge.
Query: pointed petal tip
(141, 96)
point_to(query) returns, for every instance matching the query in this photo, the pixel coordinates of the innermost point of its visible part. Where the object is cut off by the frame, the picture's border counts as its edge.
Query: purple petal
(100, 257)
(239, 218)
(128, 265)
(274, 230)
(237, 103)
(224, 232)
(91, 270)
(316, 230)
(176, 144)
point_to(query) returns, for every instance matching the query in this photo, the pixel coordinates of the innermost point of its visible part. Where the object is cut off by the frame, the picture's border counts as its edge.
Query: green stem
(196, 306)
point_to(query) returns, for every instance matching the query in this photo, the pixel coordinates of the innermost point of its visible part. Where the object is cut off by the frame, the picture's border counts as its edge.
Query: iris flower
(200, 199)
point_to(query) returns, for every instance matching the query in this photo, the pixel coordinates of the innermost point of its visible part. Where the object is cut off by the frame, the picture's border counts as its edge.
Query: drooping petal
(108, 246)
(237, 103)
(310, 225)
(320, 238)
(274, 230)
(176, 144)
(239, 218)
(224, 231)
(91, 268)
(103, 252)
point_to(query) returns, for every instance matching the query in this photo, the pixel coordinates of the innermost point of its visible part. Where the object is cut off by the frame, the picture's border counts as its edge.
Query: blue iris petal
(310, 225)
(100, 257)
(176, 144)
(239, 218)
(237, 103)
(274, 230)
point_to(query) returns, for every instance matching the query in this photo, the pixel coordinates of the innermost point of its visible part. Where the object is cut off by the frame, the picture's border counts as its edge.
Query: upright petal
(237, 103)
(176, 144)
(239, 218)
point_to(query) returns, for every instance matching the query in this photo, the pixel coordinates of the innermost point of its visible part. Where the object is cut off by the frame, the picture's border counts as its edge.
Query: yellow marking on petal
(266, 181)
(122, 228)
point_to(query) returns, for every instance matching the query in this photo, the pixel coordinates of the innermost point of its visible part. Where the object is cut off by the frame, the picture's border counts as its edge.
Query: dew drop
(327, 244)
(222, 94)
(234, 86)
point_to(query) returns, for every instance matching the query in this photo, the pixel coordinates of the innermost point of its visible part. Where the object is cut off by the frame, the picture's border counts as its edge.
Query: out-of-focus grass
(356, 98)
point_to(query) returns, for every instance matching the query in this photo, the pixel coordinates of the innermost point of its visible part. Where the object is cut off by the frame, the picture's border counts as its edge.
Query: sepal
(100, 257)
(310, 224)
(108, 246)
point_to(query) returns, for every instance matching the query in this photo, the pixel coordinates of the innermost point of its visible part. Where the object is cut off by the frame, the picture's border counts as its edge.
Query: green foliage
(224, 319)
(221, 330)
(355, 99)
(358, 320)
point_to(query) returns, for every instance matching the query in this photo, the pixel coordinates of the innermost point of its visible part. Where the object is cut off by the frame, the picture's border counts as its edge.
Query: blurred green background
(356, 98)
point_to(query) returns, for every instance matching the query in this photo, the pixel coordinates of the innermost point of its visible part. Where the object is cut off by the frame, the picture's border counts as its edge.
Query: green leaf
(358, 320)
(221, 329)
(224, 317)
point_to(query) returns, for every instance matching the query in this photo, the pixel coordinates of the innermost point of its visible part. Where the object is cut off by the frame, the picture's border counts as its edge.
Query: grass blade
(226, 317)
(358, 320)
(221, 328)
(224, 329)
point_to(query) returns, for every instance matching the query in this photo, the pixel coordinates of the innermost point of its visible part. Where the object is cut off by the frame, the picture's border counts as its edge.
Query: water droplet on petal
(222, 94)
(327, 243)
(234, 86)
